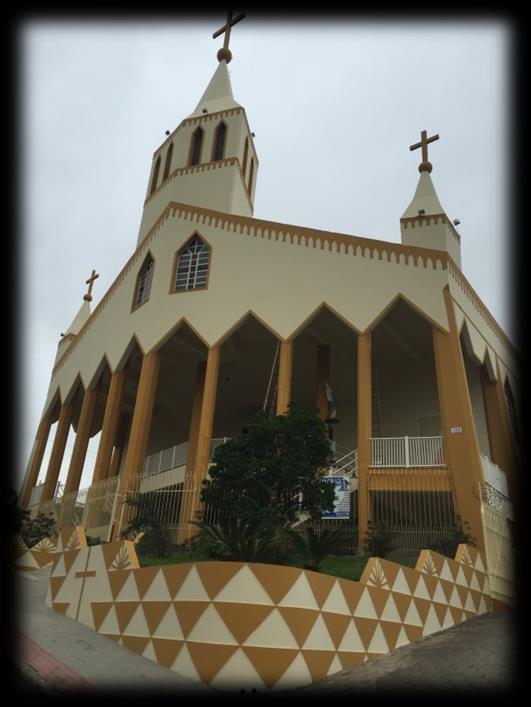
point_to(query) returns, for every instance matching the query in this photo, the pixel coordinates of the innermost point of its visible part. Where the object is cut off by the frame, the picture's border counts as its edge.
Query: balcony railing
(494, 476)
(407, 452)
(174, 457)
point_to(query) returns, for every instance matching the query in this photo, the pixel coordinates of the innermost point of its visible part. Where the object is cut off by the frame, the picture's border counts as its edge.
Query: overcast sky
(334, 106)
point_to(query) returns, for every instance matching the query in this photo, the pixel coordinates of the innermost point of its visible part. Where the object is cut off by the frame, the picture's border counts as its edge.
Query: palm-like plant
(314, 547)
(245, 542)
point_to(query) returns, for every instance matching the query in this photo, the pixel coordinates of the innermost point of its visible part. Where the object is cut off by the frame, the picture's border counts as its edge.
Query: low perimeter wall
(239, 625)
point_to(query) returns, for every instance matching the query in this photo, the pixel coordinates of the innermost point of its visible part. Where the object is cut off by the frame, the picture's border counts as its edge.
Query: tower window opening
(511, 408)
(251, 175)
(192, 266)
(245, 154)
(155, 177)
(167, 164)
(197, 142)
(219, 141)
(143, 282)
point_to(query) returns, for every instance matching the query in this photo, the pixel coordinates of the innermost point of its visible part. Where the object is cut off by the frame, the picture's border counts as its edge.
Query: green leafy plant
(148, 518)
(379, 540)
(446, 543)
(313, 547)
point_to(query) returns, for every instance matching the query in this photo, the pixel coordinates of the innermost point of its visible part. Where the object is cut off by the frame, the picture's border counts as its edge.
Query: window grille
(143, 283)
(192, 266)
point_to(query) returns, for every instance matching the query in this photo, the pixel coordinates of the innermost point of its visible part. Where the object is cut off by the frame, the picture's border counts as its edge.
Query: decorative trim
(428, 220)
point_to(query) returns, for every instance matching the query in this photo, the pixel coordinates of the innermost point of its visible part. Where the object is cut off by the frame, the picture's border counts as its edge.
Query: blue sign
(342, 501)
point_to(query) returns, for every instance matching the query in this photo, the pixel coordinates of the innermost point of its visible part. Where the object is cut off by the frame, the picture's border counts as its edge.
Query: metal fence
(407, 452)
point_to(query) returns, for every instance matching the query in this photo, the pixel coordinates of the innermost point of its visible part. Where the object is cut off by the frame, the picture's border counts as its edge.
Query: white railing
(36, 493)
(174, 457)
(407, 452)
(346, 465)
(494, 476)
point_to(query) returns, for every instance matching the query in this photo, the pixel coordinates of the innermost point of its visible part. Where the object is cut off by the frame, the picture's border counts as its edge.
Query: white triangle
(254, 592)
(421, 590)
(59, 569)
(482, 606)
(469, 603)
(335, 667)
(192, 588)
(479, 564)
(474, 584)
(402, 639)
(412, 616)
(129, 592)
(485, 589)
(438, 594)
(149, 652)
(26, 560)
(445, 572)
(400, 584)
(211, 629)
(461, 579)
(184, 664)
(273, 632)
(300, 595)
(448, 619)
(169, 626)
(352, 642)
(336, 602)
(296, 675)
(319, 637)
(365, 608)
(110, 623)
(158, 590)
(239, 671)
(390, 612)
(455, 599)
(378, 642)
(137, 625)
(432, 623)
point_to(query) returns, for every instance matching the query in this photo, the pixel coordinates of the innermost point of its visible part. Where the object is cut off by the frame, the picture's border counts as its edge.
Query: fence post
(406, 450)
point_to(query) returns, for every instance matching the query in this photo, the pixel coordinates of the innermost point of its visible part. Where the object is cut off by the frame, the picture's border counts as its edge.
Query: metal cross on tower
(90, 283)
(225, 52)
(424, 166)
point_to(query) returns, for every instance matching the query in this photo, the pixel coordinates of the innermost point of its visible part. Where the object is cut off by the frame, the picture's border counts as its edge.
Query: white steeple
(218, 94)
(70, 334)
(425, 200)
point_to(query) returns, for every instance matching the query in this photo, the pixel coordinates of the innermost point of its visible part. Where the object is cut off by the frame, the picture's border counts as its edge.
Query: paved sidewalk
(52, 649)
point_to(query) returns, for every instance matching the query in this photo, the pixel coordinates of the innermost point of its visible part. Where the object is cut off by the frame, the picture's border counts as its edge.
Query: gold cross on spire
(90, 283)
(225, 52)
(424, 166)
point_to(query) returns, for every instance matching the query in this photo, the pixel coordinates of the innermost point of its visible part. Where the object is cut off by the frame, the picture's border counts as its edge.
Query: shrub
(34, 530)
(447, 544)
(379, 540)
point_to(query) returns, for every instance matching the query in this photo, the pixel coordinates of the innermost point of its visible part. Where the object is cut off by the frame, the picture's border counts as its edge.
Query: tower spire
(424, 166)
(225, 53)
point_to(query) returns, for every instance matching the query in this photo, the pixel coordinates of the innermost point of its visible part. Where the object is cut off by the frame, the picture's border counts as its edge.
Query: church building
(217, 314)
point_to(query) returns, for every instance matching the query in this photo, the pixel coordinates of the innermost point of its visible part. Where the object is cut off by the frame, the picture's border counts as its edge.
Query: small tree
(446, 544)
(148, 519)
(34, 530)
(379, 540)
(314, 547)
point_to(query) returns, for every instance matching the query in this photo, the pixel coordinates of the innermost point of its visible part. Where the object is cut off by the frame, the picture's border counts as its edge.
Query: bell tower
(209, 160)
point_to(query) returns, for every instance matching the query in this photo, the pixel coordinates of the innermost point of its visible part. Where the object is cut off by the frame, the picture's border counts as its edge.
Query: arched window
(167, 164)
(195, 146)
(219, 142)
(155, 177)
(511, 407)
(245, 153)
(251, 175)
(191, 271)
(143, 282)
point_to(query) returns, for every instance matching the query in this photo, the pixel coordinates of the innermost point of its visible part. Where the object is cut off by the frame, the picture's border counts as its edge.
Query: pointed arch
(143, 282)
(167, 163)
(220, 139)
(511, 408)
(155, 177)
(196, 144)
(192, 265)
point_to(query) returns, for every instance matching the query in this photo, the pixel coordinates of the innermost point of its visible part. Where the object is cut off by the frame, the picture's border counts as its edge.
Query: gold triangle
(135, 643)
(175, 576)
(350, 660)
(242, 619)
(447, 587)
(60, 606)
(423, 607)
(431, 583)
(318, 662)
(110, 550)
(270, 663)
(366, 629)
(440, 610)
(112, 636)
(379, 598)
(167, 650)
(321, 585)
(276, 579)
(402, 602)
(144, 578)
(390, 629)
(352, 592)
(300, 621)
(154, 611)
(70, 557)
(209, 658)
(390, 570)
(55, 585)
(100, 609)
(336, 625)
(124, 612)
(215, 575)
(414, 633)
(117, 580)
(188, 613)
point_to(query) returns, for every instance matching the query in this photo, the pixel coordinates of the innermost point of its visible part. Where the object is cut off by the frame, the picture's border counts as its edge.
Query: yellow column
(82, 439)
(498, 426)
(139, 435)
(34, 464)
(364, 431)
(109, 427)
(201, 436)
(459, 432)
(322, 377)
(58, 450)
(285, 367)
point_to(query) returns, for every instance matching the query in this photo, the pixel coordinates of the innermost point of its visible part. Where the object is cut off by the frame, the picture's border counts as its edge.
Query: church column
(58, 450)
(459, 433)
(82, 439)
(322, 377)
(498, 427)
(285, 367)
(110, 427)
(364, 432)
(140, 427)
(34, 465)
(204, 405)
